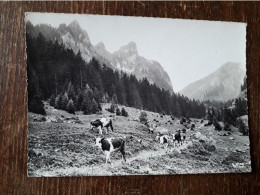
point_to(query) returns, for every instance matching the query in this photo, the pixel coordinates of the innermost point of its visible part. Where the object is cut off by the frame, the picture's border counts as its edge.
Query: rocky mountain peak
(100, 46)
(127, 50)
(74, 24)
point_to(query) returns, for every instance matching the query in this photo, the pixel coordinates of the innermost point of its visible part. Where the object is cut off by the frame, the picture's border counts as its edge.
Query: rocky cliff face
(126, 59)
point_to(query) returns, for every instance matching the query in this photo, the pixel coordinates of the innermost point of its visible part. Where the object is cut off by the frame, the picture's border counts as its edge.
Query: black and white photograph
(124, 95)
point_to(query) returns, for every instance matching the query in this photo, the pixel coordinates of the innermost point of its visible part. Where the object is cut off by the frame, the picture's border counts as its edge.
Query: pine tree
(52, 100)
(94, 106)
(58, 102)
(112, 108)
(37, 106)
(178, 110)
(71, 92)
(87, 104)
(80, 101)
(114, 99)
(70, 107)
(65, 101)
(242, 127)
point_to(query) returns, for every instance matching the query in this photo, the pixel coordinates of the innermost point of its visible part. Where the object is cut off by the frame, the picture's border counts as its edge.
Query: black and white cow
(177, 138)
(152, 127)
(109, 145)
(164, 140)
(100, 123)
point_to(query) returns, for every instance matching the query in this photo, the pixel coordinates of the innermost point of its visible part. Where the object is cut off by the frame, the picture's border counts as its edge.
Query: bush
(143, 117)
(227, 127)
(118, 112)
(124, 113)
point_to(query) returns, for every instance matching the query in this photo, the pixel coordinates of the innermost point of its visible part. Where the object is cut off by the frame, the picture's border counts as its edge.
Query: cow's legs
(100, 130)
(111, 126)
(107, 153)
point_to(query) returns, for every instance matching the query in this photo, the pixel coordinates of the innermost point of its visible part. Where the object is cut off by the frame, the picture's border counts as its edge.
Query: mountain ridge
(125, 59)
(221, 85)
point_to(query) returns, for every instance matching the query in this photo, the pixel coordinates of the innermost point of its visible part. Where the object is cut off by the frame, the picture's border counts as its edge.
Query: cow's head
(98, 141)
(91, 126)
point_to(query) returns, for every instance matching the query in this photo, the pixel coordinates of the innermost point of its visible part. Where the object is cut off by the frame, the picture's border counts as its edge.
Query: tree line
(57, 74)
(229, 112)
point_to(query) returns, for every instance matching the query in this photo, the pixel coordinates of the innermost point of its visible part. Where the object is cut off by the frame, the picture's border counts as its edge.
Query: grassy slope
(68, 148)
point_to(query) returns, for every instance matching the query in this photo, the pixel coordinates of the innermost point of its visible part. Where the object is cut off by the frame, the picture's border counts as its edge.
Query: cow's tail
(122, 149)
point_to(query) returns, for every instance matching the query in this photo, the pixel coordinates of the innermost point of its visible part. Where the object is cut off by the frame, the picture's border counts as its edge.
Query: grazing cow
(177, 137)
(100, 123)
(163, 139)
(109, 145)
(152, 127)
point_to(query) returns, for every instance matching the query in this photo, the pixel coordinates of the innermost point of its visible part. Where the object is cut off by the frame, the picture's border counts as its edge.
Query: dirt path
(116, 165)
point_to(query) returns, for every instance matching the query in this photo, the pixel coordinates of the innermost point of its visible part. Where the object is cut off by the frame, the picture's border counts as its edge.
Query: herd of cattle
(109, 145)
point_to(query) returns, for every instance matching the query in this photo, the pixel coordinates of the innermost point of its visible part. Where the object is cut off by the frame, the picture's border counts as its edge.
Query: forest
(56, 73)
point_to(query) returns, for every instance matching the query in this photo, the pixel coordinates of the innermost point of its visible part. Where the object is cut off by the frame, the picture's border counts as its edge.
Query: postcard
(117, 95)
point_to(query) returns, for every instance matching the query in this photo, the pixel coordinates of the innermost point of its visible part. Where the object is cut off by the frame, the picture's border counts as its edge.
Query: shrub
(124, 113)
(143, 117)
(118, 112)
(227, 127)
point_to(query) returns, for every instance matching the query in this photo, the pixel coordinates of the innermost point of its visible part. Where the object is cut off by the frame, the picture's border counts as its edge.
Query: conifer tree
(58, 102)
(65, 101)
(94, 106)
(52, 100)
(242, 127)
(70, 107)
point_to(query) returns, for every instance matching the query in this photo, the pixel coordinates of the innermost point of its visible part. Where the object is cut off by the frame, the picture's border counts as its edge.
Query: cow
(177, 137)
(152, 127)
(100, 123)
(163, 139)
(109, 145)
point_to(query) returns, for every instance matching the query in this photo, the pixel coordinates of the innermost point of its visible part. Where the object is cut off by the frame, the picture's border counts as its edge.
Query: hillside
(63, 145)
(221, 85)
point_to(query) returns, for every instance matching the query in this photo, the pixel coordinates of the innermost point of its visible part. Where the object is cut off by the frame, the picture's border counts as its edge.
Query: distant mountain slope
(126, 59)
(221, 85)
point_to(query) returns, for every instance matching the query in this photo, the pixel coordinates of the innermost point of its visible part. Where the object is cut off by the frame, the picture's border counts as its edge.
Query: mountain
(126, 59)
(222, 85)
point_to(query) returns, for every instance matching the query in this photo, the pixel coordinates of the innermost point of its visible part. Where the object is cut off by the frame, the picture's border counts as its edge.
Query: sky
(188, 50)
